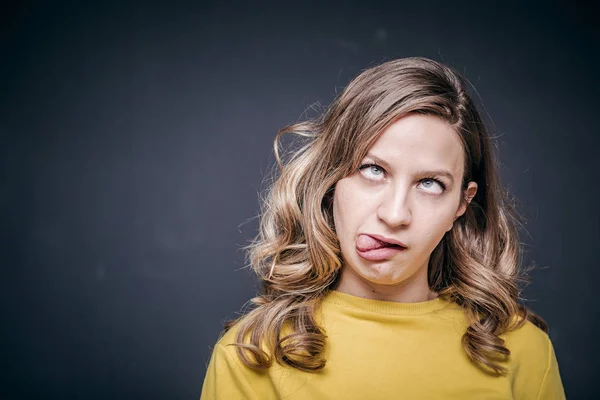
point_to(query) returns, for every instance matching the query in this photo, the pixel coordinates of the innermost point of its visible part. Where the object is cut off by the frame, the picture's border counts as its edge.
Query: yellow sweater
(387, 350)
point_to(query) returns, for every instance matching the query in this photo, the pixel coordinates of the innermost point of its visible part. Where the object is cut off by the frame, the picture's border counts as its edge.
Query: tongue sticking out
(366, 243)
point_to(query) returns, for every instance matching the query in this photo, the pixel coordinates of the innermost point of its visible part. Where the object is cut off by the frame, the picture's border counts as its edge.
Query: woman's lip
(381, 253)
(386, 239)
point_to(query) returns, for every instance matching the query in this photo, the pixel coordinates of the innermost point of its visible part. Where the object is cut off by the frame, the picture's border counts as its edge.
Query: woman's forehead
(420, 142)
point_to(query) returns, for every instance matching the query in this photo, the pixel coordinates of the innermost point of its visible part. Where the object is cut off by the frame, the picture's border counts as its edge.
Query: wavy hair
(296, 253)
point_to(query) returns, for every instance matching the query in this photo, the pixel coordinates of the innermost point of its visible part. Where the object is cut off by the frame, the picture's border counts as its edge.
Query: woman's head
(367, 170)
(413, 98)
(407, 189)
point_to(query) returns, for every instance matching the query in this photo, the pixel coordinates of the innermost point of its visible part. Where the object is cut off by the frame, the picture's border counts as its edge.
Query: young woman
(390, 258)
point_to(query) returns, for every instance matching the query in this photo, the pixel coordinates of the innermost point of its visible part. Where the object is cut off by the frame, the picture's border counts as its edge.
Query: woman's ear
(468, 194)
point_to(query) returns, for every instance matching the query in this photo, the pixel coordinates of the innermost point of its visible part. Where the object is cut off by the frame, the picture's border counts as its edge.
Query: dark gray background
(133, 141)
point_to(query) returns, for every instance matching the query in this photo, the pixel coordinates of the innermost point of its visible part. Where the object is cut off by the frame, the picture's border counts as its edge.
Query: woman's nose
(394, 208)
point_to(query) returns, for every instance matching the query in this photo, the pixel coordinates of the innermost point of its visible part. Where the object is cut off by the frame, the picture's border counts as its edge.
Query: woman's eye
(372, 171)
(429, 183)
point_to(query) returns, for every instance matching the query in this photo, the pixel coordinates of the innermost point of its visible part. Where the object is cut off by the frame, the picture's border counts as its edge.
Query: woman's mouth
(373, 249)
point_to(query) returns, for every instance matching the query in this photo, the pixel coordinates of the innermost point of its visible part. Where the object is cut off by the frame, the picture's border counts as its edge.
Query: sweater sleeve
(552, 387)
(225, 378)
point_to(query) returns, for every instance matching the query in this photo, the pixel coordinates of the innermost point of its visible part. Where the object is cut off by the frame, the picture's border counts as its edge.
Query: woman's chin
(382, 274)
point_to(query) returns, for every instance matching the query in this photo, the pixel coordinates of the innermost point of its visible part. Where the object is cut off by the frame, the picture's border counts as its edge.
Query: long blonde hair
(296, 253)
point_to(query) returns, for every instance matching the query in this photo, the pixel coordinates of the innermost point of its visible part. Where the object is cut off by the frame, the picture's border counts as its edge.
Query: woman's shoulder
(529, 345)
(527, 334)
(228, 337)
(228, 377)
(534, 366)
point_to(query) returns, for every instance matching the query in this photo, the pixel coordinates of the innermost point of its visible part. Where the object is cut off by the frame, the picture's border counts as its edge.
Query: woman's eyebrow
(435, 172)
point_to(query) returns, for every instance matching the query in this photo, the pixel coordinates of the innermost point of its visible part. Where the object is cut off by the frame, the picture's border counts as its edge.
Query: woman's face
(407, 190)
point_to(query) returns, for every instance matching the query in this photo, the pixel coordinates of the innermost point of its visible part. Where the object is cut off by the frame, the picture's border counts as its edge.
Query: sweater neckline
(385, 307)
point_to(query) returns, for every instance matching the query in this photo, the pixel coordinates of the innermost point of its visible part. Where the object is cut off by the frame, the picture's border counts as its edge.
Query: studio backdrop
(134, 140)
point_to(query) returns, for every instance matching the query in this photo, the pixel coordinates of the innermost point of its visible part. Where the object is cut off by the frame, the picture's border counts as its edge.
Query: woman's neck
(414, 289)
